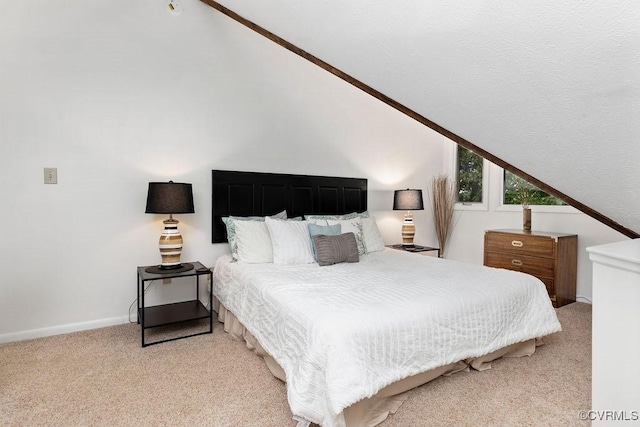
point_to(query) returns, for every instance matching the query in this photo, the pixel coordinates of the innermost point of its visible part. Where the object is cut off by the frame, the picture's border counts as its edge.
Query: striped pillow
(336, 249)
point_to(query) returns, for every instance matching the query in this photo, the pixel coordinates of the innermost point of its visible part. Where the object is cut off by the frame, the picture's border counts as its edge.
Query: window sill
(471, 207)
(539, 209)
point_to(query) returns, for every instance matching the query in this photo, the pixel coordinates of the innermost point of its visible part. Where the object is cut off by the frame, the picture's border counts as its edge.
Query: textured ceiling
(550, 87)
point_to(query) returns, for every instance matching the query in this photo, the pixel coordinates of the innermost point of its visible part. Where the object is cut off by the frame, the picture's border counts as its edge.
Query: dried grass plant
(524, 190)
(443, 193)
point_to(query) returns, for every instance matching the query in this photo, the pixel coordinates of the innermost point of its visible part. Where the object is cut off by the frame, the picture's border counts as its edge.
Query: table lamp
(170, 198)
(408, 200)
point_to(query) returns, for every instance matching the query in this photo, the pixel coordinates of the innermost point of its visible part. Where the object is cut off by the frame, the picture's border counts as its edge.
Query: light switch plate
(175, 7)
(50, 175)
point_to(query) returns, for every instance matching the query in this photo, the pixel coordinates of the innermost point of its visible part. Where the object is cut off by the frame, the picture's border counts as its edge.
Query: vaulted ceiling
(552, 88)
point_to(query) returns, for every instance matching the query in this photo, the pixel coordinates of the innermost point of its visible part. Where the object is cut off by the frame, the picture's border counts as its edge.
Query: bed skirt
(372, 411)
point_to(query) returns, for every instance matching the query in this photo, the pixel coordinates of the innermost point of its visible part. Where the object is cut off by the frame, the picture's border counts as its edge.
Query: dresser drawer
(539, 267)
(551, 257)
(520, 244)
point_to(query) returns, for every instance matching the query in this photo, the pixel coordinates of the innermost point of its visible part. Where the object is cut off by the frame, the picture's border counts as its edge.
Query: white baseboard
(72, 327)
(580, 298)
(63, 329)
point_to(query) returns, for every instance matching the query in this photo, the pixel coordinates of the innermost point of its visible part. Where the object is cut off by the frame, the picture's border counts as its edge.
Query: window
(470, 176)
(473, 173)
(517, 191)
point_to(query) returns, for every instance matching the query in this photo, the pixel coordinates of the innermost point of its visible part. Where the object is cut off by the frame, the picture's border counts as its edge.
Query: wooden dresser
(551, 257)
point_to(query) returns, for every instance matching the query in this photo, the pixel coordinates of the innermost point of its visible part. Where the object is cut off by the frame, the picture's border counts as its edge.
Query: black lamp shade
(169, 198)
(407, 200)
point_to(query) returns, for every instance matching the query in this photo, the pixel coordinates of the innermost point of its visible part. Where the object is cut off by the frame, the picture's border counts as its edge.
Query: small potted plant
(524, 194)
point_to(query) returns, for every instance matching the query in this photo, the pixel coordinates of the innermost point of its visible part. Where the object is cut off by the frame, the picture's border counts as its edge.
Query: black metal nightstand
(169, 314)
(415, 248)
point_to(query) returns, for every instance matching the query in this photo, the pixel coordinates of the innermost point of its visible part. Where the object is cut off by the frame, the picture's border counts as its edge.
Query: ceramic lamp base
(170, 245)
(408, 230)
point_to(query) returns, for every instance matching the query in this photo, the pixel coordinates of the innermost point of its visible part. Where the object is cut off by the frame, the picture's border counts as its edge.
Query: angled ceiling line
(421, 119)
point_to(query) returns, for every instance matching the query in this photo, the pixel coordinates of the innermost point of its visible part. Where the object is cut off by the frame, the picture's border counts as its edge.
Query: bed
(351, 338)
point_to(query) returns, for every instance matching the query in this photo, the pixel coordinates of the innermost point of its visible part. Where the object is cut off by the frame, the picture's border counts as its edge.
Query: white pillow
(230, 223)
(354, 226)
(253, 242)
(290, 241)
(371, 235)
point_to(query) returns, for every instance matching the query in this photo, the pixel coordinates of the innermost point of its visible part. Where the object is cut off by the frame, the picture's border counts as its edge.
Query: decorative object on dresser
(444, 200)
(526, 219)
(408, 200)
(551, 257)
(170, 198)
(524, 191)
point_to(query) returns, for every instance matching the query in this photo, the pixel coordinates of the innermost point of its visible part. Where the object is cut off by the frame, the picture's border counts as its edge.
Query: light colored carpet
(103, 377)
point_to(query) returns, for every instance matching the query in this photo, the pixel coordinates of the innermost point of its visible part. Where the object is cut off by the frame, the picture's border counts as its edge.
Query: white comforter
(343, 332)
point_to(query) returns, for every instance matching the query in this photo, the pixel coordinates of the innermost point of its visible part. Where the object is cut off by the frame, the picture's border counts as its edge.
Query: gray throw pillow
(336, 249)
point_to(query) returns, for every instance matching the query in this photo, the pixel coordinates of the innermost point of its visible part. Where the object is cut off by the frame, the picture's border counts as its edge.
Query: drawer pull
(516, 262)
(516, 243)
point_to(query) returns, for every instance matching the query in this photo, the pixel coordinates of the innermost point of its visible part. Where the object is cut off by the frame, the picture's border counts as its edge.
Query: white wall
(117, 94)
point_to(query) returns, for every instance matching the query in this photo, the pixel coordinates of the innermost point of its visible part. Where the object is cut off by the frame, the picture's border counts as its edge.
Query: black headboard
(261, 194)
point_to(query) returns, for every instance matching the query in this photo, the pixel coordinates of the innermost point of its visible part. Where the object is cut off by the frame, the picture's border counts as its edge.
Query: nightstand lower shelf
(169, 314)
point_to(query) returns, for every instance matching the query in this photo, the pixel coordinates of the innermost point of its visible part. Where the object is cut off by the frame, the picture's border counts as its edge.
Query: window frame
(471, 206)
